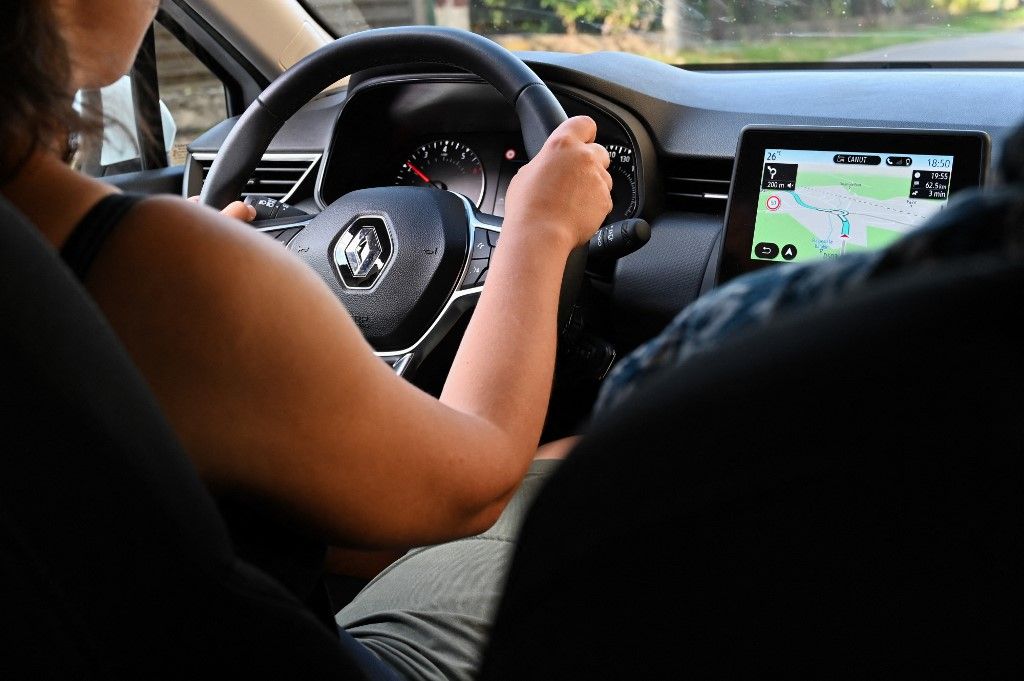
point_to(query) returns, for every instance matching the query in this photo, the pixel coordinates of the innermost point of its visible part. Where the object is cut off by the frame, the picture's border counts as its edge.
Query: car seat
(837, 495)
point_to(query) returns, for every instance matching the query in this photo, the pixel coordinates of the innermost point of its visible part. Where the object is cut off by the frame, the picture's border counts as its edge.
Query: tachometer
(625, 195)
(445, 164)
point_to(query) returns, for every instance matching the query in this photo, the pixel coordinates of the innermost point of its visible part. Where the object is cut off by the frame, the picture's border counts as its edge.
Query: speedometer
(625, 195)
(445, 164)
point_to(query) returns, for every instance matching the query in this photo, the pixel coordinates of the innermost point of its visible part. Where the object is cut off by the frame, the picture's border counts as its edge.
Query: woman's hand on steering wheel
(564, 194)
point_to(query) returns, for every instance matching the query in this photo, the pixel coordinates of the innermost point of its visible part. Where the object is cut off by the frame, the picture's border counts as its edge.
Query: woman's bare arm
(273, 389)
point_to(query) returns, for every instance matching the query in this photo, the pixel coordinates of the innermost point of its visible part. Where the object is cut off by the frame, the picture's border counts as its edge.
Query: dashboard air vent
(276, 176)
(696, 185)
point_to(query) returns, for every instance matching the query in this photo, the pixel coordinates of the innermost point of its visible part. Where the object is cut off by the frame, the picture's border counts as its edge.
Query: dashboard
(459, 136)
(674, 133)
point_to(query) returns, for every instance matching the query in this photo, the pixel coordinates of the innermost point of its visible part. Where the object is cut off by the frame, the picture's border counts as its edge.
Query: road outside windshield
(719, 31)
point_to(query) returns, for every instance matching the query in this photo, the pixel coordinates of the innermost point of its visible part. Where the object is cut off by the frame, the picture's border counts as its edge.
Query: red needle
(418, 172)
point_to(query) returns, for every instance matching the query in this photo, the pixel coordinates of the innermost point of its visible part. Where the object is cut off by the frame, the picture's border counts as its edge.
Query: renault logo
(362, 251)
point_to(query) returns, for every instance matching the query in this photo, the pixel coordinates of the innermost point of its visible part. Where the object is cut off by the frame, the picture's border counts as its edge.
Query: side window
(190, 92)
(161, 114)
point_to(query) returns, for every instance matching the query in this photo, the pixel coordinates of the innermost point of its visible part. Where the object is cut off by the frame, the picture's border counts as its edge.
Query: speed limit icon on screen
(773, 202)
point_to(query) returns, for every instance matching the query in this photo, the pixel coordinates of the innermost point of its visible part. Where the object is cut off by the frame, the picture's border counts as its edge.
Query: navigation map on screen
(814, 205)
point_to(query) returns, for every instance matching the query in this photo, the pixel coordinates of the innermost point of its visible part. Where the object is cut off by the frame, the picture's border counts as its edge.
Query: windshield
(718, 31)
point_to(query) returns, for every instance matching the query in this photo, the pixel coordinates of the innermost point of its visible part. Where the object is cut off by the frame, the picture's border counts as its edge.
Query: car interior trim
(312, 159)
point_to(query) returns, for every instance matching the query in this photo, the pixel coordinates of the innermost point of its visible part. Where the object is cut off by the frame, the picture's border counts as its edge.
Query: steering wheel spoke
(406, 361)
(400, 364)
(283, 229)
(290, 222)
(483, 233)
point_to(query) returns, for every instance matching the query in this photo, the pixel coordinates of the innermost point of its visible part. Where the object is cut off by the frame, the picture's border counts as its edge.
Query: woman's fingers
(238, 210)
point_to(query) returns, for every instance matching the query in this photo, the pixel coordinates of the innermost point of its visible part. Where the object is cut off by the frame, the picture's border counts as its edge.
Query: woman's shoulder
(206, 259)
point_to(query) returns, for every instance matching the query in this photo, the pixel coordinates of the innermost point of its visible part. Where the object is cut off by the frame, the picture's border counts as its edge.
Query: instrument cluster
(452, 165)
(456, 136)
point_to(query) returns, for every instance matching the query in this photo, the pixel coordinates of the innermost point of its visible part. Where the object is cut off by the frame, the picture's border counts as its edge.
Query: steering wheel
(406, 262)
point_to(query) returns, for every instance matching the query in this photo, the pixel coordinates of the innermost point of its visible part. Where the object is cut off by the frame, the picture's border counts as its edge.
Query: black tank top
(260, 536)
(88, 237)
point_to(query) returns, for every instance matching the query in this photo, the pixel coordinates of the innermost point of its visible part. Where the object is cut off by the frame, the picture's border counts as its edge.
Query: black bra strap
(85, 242)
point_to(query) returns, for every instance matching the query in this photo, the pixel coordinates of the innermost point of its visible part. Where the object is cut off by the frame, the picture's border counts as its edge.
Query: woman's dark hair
(36, 107)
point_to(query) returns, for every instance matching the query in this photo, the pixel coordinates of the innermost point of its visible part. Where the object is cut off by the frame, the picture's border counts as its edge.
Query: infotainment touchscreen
(803, 194)
(823, 204)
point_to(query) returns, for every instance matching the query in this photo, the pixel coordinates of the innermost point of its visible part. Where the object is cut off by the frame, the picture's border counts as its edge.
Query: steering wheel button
(481, 246)
(477, 272)
(492, 237)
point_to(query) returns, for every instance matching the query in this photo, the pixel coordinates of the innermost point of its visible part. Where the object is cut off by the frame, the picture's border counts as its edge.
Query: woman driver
(201, 301)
